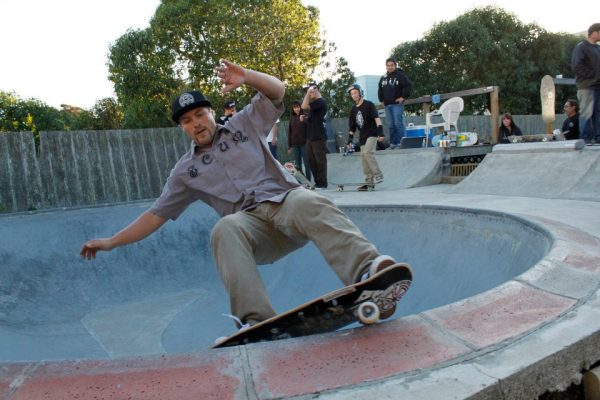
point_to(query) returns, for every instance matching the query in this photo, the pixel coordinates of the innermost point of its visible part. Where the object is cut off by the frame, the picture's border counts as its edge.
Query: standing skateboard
(366, 302)
(341, 186)
(291, 168)
(547, 94)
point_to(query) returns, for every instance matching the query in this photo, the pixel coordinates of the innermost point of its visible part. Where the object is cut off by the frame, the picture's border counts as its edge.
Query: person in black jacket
(228, 111)
(508, 128)
(316, 133)
(394, 88)
(585, 62)
(570, 127)
(297, 139)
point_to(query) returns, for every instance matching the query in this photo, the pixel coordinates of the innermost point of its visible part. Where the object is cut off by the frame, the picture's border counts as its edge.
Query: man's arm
(234, 76)
(143, 226)
(306, 102)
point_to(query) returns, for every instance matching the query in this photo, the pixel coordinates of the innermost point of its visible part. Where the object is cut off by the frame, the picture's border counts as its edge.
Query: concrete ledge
(539, 147)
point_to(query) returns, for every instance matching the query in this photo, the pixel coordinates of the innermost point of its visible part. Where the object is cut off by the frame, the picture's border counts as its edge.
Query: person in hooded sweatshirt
(394, 88)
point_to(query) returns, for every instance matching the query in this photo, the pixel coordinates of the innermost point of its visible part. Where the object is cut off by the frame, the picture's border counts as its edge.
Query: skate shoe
(389, 297)
(241, 327)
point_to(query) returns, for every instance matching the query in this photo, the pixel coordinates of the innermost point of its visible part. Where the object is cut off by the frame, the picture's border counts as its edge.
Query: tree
(187, 38)
(334, 89)
(32, 115)
(484, 47)
(145, 79)
(107, 114)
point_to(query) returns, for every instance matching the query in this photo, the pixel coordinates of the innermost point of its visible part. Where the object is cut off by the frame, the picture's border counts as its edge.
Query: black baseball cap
(229, 104)
(308, 85)
(187, 101)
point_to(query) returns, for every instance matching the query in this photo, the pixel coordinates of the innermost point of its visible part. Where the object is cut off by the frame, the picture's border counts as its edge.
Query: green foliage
(33, 115)
(334, 89)
(187, 38)
(145, 79)
(107, 114)
(485, 47)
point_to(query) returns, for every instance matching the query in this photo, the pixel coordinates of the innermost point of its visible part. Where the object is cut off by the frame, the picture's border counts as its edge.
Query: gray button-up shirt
(236, 173)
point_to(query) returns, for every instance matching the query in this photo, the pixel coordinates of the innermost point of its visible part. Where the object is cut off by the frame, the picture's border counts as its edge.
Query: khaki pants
(242, 240)
(369, 163)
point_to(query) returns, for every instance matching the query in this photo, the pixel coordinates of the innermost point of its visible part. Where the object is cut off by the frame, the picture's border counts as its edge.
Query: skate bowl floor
(163, 295)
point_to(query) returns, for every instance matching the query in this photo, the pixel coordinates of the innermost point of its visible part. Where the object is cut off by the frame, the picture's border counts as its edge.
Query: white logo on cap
(185, 99)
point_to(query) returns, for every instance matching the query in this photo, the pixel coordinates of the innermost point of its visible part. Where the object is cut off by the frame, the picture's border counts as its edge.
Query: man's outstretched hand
(89, 249)
(232, 76)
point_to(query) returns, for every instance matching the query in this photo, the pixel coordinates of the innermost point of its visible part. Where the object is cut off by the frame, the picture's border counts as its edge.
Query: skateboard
(559, 135)
(340, 186)
(547, 94)
(291, 168)
(365, 302)
(463, 139)
(530, 138)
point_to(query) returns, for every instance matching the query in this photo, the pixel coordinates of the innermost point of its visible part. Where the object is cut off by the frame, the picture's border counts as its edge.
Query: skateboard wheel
(368, 313)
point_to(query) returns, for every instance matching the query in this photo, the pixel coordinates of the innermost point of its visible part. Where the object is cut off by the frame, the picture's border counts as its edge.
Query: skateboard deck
(547, 94)
(530, 138)
(463, 139)
(363, 301)
(340, 186)
(291, 168)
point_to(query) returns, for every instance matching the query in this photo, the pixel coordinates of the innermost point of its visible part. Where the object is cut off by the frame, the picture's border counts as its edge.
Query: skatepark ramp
(163, 295)
(401, 168)
(554, 170)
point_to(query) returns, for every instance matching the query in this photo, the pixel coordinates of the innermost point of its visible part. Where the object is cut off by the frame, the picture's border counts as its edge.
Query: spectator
(570, 127)
(585, 62)
(272, 139)
(297, 139)
(228, 111)
(316, 133)
(394, 88)
(508, 128)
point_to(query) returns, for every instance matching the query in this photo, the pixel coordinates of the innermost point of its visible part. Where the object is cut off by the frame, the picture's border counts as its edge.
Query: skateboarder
(364, 117)
(265, 213)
